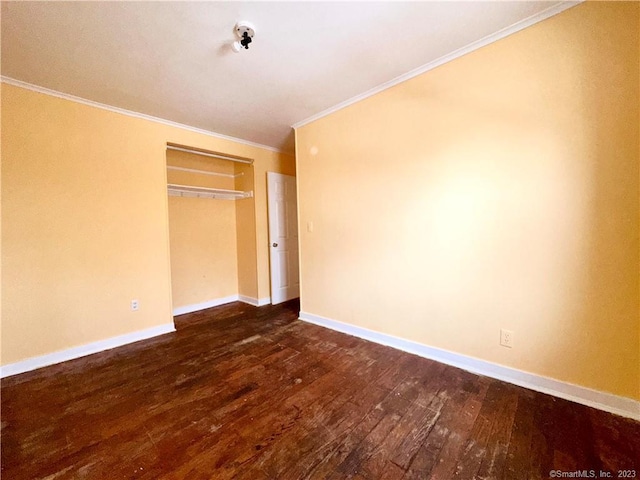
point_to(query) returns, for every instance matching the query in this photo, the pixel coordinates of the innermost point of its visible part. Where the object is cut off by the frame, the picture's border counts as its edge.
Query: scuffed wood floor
(252, 393)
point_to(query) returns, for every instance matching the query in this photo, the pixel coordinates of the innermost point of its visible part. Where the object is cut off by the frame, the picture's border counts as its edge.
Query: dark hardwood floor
(252, 393)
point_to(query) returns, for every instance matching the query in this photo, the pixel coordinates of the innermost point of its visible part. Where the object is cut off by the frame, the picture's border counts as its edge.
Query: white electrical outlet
(135, 305)
(506, 338)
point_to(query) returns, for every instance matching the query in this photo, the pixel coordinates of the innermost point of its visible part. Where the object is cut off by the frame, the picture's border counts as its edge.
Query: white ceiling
(173, 60)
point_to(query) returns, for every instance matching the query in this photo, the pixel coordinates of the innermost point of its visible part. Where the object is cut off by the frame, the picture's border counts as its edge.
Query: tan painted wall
(497, 191)
(85, 222)
(204, 258)
(247, 261)
(0, 222)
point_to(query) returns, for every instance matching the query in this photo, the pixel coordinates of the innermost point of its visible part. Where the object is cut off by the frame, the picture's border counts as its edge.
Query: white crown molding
(608, 402)
(130, 113)
(494, 37)
(256, 302)
(83, 350)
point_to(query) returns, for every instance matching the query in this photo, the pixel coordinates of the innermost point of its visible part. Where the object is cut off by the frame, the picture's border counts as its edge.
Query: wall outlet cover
(506, 338)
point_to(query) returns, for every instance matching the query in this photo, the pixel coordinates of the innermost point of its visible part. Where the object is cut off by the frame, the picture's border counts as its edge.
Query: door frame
(273, 239)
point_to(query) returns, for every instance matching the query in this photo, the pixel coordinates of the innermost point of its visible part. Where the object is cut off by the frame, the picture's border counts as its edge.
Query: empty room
(320, 240)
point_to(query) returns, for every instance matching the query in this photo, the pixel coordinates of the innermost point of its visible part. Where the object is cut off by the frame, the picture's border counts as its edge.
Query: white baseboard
(256, 302)
(202, 305)
(88, 349)
(102, 345)
(608, 402)
(221, 301)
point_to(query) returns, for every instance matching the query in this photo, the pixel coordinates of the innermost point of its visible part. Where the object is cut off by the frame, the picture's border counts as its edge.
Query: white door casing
(283, 237)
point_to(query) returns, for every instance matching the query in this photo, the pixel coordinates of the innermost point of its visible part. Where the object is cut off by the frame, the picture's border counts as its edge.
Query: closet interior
(211, 227)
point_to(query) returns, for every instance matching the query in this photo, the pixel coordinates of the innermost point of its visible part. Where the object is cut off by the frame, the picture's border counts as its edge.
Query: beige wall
(247, 259)
(85, 221)
(1, 86)
(202, 232)
(497, 191)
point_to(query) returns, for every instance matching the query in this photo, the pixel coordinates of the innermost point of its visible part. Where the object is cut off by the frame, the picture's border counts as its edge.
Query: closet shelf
(204, 172)
(175, 190)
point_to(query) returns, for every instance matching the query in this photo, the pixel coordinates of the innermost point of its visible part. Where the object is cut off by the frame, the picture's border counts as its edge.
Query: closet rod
(207, 154)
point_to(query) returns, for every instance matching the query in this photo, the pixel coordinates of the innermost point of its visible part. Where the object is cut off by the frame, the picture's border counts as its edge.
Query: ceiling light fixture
(245, 32)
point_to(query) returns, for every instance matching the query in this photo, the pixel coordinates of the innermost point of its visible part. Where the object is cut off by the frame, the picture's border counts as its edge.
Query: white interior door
(283, 237)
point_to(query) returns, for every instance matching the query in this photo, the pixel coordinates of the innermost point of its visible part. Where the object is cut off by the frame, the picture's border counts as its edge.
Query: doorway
(283, 237)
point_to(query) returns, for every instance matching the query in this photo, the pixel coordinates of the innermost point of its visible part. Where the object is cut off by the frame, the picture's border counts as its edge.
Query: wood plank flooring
(253, 393)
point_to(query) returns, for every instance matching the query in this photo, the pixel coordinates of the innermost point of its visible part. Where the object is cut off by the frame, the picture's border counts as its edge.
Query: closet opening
(211, 227)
